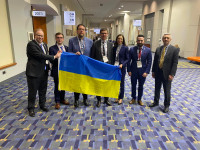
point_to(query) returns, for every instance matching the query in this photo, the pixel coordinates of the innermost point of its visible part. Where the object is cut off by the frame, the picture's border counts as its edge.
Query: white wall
(181, 19)
(21, 23)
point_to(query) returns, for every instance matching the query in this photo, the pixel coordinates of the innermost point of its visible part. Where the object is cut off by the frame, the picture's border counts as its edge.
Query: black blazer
(170, 61)
(96, 51)
(53, 51)
(36, 59)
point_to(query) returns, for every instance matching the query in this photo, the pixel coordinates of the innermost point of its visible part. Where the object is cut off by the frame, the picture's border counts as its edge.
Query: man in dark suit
(59, 95)
(37, 71)
(102, 50)
(80, 45)
(140, 58)
(164, 70)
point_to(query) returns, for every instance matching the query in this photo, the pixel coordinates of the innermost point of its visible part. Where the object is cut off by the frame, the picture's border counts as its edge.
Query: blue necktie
(62, 48)
(44, 53)
(43, 48)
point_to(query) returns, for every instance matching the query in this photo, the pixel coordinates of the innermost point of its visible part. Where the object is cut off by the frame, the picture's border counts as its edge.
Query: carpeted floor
(117, 127)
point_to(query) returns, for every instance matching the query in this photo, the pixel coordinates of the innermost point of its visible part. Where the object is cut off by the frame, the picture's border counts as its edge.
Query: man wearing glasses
(37, 71)
(80, 45)
(59, 46)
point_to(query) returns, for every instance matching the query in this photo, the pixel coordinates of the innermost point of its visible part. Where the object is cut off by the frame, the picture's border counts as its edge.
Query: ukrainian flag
(82, 74)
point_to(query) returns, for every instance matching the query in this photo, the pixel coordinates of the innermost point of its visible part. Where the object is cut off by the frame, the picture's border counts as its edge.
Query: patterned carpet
(117, 127)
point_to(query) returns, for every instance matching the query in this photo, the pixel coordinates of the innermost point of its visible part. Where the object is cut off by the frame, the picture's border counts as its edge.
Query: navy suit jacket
(146, 59)
(74, 45)
(123, 55)
(53, 51)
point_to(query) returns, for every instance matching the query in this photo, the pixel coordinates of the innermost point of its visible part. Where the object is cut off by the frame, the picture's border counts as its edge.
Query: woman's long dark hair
(123, 43)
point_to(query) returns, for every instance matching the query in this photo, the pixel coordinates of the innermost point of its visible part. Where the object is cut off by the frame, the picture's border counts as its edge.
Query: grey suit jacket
(97, 54)
(170, 61)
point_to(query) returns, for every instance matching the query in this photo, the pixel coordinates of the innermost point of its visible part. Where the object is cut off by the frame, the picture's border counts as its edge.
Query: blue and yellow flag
(82, 74)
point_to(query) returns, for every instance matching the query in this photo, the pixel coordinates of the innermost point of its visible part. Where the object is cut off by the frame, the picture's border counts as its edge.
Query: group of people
(137, 61)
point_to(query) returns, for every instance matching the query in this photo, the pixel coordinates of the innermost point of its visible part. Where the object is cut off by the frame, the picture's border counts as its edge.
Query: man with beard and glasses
(80, 45)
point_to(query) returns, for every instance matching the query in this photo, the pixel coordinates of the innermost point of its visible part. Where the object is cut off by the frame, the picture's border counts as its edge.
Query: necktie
(43, 48)
(162, 58)
(44, 53)
(104, 49)
(139, 54)
(62, 48)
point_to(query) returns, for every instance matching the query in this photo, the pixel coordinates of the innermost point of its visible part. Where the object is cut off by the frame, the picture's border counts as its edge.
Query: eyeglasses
(81, 29)
(59, 37)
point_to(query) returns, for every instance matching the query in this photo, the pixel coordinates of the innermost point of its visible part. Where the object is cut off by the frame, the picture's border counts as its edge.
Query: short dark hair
(80, 25)
(59, 33)
(140, 35)
(103, 29)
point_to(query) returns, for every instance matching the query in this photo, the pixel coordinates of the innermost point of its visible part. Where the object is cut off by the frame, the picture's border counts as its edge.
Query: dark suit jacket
(123, 55)
(146, 59)
(53, 51)
(170, 61)
(36, 59)
(74, 45)
(96, 51)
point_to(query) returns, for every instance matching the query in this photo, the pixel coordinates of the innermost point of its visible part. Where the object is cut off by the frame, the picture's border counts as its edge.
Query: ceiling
(106, 11)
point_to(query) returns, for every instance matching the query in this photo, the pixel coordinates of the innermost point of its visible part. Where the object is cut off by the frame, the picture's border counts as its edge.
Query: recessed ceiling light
(122, 6)
(119, 7)
(126, 11)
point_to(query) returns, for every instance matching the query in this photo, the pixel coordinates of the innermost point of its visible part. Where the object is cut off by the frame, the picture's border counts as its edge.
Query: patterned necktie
(62, 48)
(104, 49)
(44, 53)
(43, 48)
(162, 58)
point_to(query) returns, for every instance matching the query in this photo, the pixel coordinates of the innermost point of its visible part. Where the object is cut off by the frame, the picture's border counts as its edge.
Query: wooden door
(40, 22)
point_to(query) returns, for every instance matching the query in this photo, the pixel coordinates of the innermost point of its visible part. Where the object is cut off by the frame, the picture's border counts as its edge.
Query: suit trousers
(76, 96)
(121, 92)
(137, 76)
(37, 84)
(159, 80)
(59, 95)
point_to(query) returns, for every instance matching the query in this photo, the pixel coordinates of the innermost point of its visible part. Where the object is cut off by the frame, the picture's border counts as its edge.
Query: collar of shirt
(102, 41)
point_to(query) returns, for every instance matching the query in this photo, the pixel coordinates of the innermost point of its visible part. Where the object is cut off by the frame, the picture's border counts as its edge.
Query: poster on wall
(69, 17)
(149, 34)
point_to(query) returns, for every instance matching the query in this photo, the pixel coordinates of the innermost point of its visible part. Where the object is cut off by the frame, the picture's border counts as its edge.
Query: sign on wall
(69, 17)
(39, 13)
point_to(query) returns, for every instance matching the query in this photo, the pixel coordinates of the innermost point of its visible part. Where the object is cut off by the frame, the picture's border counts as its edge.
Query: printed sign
(69, 17)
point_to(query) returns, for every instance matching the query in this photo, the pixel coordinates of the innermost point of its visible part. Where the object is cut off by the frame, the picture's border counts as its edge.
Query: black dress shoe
(44, 109)
(153, 105)
(107, 102)
(31, 113)
(85, 102)
(166, 109)
(98, 103)
(76, 103)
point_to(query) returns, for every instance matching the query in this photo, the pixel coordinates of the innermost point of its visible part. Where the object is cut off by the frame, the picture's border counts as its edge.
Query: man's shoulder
(53, 47)
(88, 40)
(73, 38)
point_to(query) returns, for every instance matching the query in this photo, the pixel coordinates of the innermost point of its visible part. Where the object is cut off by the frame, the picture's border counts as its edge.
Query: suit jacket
(123, 55)
(74, 45)
(170, 61)
(97, 54)
(146, 59)
(36, 59)
(53, 51)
